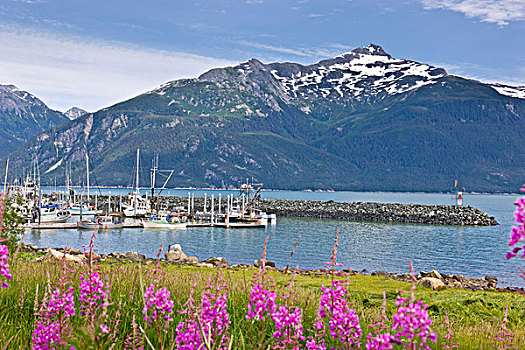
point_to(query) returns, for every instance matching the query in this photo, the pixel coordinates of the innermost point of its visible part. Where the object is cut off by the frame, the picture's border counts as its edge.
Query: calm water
(471, 251)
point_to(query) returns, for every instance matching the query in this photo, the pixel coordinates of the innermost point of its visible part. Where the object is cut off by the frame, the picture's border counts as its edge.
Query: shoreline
(306, 190)
(175, 256)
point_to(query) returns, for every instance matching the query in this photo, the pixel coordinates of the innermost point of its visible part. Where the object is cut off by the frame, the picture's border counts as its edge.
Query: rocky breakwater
(379, 212)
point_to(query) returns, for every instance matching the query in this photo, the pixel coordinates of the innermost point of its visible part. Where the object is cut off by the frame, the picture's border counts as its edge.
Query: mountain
(22, 115)
(360, 121)
(74, 113)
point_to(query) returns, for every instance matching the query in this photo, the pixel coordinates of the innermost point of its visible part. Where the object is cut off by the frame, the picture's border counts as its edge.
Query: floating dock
(73, 225)
(69, 225)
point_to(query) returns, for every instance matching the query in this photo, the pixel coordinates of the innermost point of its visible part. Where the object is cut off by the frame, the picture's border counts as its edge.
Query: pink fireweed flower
(4, 266)
(343, 322)
(413, 324)
(504, 337)
(157, 303)
(412, 321)
(382, 341)
(210, 319)
(517, 234)
(262, 298)
(91, 292)
(134, 339)
(316, 341)
(214, 319)
(53, 317)
(288, 326)
(332, 264)
(288, 321)
(449, 345)
(262, 302)
(188, 332)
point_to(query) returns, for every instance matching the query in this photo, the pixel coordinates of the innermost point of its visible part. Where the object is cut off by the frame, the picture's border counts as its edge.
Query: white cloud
(67, 71)
(492, 11)
(329, 50)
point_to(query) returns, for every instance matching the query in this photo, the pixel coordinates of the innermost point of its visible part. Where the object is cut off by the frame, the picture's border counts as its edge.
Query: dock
(69, 225)
(239, 225)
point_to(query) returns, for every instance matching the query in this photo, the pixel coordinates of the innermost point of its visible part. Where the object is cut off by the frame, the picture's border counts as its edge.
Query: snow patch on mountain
(13, 98)
(53, 167)
(366, 71)
(507, 90)
(74, 113)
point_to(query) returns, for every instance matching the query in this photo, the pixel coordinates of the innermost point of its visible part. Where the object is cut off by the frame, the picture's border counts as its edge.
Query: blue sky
(91, 53)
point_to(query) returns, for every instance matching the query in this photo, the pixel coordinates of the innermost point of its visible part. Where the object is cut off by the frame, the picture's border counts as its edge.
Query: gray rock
(381, 273)
(432, 283)
(175, 253)
(134, 256)
(115, 255)
(435, 274)
(54, 255)
(489, 278)
(216, 261)
(191, 260)
(258, 263)
(204, 264)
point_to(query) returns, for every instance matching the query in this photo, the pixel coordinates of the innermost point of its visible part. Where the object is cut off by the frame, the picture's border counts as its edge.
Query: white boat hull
(163, 224)
(54, 218)
(102, 226)
(75, 211)
(131, 212)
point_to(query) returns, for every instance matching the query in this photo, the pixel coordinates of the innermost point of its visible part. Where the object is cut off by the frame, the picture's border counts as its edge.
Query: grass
(475, 316)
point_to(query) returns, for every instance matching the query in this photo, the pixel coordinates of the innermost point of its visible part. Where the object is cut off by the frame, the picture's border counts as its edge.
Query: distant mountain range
(22, 115)
(360, 121)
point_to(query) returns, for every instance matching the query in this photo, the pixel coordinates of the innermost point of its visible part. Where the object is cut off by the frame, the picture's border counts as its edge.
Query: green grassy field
(475, 316)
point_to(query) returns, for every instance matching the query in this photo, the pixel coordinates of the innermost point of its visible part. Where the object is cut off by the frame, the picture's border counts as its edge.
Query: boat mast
(67, 183)
(153, 173)
(138, 190)
(87, 170)
(138, 153)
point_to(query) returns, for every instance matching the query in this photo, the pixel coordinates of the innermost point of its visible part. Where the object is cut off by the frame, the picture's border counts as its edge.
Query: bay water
(470, 251)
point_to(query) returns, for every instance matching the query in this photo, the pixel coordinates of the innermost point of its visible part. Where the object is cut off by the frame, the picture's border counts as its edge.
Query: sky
(92, 54)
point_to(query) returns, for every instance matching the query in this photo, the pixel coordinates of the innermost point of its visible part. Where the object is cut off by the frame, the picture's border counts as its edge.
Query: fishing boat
(105, 222)
(84, 208)
(164, 221)
(243, 209)
(53, 213)
(137, 205)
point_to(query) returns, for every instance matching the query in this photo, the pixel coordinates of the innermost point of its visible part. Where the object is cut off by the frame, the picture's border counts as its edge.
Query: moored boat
(164, 221)
(53, 213)
(106, 222)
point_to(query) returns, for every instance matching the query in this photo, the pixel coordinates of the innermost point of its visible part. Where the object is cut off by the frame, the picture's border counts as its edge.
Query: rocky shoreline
(176, 256)
(352, 211)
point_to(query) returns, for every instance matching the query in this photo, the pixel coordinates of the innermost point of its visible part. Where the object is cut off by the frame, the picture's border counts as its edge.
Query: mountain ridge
(22, 115)
(360, 121)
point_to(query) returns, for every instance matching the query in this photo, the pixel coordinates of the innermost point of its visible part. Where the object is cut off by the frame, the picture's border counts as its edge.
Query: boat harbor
(80, 208)
(83, 208)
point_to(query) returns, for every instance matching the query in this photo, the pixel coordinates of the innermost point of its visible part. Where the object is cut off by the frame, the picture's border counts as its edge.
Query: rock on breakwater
(379, 212)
